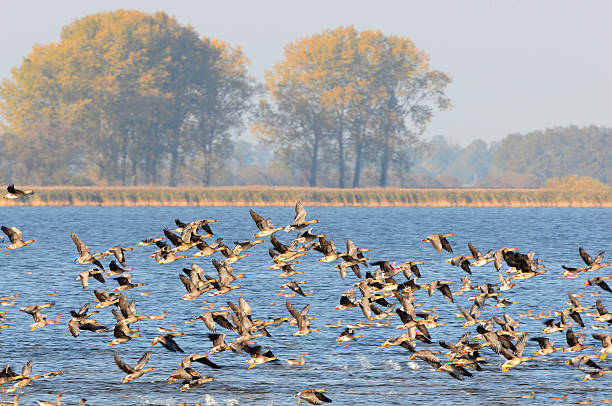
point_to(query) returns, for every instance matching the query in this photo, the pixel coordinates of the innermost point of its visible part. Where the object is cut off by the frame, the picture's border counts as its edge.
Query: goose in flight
(546, 346)
(123, 334)
(181, 243)
(299, 221)
(592, 264)
(125, 282)
(301, 318)
(313, 396)
(165, 255)
(265, 226)
(167, 341)
(95, 273)
(40, 320)
(329, 250)
(118, 252)
(13, 193)
(257, 356)
(439, 241)
(514, 358)
(85, 257)
(137, 370)
(16, 237)
(599, 281)
(462, 262)
(480, 259)
(148, 241)
(127, 313)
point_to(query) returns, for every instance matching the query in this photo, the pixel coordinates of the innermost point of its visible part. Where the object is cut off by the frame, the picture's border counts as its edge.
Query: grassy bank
(285, 196)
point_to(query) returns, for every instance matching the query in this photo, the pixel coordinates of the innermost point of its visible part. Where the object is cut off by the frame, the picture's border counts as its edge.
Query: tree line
(519, 160)
(127, 98)
(130, 98)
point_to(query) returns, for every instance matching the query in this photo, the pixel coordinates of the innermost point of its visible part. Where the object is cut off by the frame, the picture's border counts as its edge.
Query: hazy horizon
(516, 66)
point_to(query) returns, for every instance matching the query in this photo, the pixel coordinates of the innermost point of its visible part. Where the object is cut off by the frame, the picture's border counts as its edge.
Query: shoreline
(241, 196)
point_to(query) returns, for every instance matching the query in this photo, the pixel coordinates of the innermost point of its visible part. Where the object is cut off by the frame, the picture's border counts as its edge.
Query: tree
(297, 122)
(122, 96)
(136, 66)
(43, 121)
(362, 89)
(220, 100)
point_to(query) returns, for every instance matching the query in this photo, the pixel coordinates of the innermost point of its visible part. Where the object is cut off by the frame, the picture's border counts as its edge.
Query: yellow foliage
(576, 183)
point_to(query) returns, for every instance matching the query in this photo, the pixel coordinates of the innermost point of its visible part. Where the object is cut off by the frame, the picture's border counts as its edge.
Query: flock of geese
(384, 292)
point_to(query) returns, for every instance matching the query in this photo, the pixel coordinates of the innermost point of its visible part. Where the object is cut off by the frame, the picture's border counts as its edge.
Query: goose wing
(601, 310)
(300, 213)
(585, 257)
(188, 284)
(122, 365)
(174, 239)
(80, 245)
(571, 338)
(27, 368)
(259, 221)
(475, 251)
(445, 244)
(143, 360)
(13, 233)
(296, 315)
(244, 306)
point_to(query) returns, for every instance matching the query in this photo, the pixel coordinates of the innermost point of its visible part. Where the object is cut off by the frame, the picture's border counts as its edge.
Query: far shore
(287, 196)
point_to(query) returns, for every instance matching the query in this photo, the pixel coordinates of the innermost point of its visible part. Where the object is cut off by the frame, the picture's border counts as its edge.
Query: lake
(362, 373)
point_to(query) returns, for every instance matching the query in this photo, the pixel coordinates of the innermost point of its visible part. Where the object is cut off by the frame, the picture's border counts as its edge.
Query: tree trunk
(153, 163)
(152, 156)
(384, 165)
(173, 165)
(207, 149)
(112, 158)
(357, 172)
(124, 159)
(315, 158)
(134, 173)
(341, 157)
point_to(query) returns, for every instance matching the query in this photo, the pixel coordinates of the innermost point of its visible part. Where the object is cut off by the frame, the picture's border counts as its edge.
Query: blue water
(361, 374)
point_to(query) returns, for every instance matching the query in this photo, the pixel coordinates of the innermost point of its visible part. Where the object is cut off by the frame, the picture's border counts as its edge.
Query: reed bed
(287, 196)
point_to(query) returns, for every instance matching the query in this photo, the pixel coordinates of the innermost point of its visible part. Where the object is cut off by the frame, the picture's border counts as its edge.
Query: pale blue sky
(517, 66)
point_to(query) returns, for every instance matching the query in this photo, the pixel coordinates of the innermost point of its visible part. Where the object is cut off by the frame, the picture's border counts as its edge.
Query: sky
(516, 65)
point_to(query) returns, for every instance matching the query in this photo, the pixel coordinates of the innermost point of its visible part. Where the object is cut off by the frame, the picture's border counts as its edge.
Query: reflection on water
(362, 373)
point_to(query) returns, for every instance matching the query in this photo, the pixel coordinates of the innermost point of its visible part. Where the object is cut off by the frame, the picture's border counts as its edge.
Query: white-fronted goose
(265, 226)
(137, 370)
(313, 396)
(118, 252)
(16, 237)
(299, 221)
(14, 193)
(439, 241)
(85, 257)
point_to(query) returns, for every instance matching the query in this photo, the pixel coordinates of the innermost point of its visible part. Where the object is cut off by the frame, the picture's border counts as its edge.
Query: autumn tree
(343, 88)
(219, 100)
(43, 120)
(118, 95)
(138, 67)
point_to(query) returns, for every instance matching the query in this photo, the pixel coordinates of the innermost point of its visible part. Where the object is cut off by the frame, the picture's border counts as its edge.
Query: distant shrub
(449, 181)
(421, 180)
(510, 180)
(575, 182)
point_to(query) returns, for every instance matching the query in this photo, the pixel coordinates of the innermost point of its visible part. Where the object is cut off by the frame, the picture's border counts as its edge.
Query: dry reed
(287, 196)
